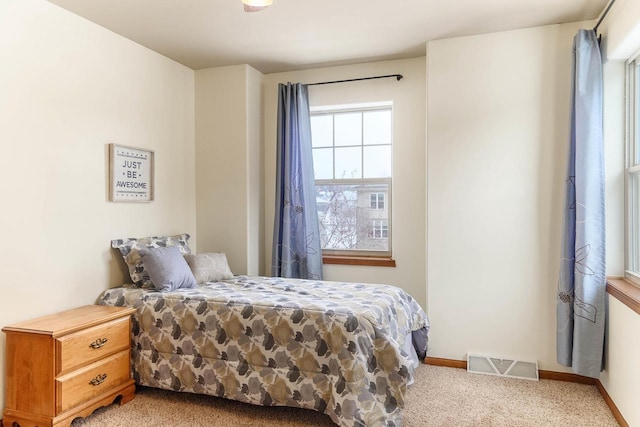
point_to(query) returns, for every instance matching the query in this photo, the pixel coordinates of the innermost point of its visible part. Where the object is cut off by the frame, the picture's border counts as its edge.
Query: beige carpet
(439, 397)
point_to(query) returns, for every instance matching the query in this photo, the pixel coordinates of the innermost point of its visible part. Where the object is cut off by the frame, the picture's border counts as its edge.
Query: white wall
(408, 161)
(228, 160)
(498, 114)
(68, 89)
(621, 378)
(614, 81)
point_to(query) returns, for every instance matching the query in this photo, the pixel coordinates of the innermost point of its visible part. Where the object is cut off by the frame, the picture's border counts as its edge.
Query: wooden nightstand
(66, 365)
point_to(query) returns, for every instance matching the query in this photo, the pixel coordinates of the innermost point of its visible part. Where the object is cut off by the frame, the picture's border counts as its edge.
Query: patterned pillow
(130, 249)
(209, 267)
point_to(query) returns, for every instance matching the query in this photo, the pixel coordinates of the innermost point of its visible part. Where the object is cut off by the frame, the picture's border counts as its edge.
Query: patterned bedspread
(339, 348)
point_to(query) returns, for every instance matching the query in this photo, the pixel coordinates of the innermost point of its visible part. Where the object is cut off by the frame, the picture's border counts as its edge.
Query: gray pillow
(167, 268)
(209, 267)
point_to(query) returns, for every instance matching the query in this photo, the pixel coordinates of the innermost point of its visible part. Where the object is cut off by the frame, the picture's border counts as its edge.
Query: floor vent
(502, 367)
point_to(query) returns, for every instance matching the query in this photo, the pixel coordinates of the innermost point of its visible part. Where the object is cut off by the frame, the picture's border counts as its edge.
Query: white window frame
(632, 172)
(338, 109)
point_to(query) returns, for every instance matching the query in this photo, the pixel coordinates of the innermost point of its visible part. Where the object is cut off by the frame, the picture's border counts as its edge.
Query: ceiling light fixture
(256, 5)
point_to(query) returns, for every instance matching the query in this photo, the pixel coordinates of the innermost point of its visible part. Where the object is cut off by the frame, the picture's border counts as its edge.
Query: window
(352, 167)
(379, 229)
(633, 172)
(377, 200)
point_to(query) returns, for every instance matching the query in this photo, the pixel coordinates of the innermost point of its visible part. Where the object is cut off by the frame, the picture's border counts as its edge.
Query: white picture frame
(130, 174)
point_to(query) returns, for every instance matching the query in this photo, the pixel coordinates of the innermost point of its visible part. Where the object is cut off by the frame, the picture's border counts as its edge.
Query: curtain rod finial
(399, 77)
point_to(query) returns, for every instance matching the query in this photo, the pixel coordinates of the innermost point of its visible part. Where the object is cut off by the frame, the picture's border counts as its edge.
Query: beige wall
(408, 161)
(255, 171)
(497, 125)
(620, 30)
(69, 88)
(228, 164)
(491, 283)
(498, 114)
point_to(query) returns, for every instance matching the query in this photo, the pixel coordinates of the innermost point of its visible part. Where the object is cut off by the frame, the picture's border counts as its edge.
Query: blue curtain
(581, 286)
(296, 235)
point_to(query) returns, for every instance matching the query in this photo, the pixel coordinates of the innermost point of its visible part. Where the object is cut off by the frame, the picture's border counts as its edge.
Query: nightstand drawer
(86, 383)
(87, 346)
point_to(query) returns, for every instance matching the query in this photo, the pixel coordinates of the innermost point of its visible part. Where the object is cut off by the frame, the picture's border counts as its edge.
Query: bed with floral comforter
(345, 349)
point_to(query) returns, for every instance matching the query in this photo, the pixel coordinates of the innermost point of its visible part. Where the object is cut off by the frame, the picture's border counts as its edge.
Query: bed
(348, 350)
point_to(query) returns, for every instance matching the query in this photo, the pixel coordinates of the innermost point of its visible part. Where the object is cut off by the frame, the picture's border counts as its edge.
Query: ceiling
(299, 34)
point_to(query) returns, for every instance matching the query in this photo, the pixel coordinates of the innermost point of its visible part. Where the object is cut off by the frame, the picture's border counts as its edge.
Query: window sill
(624, 291)
(359, 260)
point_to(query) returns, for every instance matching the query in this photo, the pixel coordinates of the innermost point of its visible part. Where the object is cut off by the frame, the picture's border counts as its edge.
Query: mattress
(344, 349)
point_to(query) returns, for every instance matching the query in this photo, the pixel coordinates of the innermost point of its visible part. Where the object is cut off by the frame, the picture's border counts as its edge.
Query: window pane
(377, 127)
(634, 212)
(348, 163)
(322, 131)
(323, 163)
(348, 129)
(377, 161)
(346, 220)
(636, 145)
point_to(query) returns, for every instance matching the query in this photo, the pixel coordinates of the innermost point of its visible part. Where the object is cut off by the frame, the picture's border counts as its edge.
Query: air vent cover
(511, 368)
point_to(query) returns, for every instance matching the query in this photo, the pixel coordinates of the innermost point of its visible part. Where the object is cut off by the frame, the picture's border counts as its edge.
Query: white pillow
(209, 267)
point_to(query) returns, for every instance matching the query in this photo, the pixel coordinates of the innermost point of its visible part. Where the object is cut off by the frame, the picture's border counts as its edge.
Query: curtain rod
(397, 76)
(595, 29)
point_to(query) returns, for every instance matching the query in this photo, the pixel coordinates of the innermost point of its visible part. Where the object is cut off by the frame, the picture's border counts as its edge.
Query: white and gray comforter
(344, 349)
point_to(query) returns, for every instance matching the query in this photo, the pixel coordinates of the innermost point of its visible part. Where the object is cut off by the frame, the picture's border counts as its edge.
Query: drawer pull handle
(98, 343)
(98, 380)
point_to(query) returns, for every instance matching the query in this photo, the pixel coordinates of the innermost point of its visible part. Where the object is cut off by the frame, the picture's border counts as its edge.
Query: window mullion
(362, 144)
(333, 143)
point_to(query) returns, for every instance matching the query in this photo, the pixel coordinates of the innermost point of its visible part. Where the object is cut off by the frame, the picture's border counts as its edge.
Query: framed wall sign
(131, 174)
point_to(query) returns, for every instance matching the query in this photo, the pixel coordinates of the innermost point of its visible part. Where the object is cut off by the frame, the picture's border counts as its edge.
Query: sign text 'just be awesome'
(131, 174)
